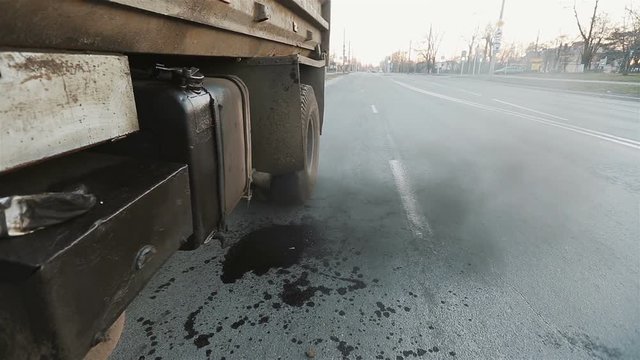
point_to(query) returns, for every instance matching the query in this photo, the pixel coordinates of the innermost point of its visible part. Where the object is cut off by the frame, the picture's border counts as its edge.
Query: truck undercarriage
(162, 111)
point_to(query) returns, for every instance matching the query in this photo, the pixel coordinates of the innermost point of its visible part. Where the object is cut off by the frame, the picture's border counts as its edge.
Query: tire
(296, 188)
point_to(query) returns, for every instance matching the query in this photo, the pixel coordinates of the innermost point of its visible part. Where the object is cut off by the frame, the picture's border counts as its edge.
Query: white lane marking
(532, 110)
(455, 88)
(469, 92)
(417, 222)
(611, 138)
(569, 125)
(610, 82)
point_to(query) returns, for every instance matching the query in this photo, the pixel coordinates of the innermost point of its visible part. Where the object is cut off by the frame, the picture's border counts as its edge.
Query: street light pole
(495, 49)
(350, 66)
(475, 61)
(344, 50)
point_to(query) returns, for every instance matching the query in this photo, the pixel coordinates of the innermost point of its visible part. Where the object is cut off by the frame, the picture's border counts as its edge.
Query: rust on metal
(54, 103)
(196, 27)
(48, 68)
(261, 12)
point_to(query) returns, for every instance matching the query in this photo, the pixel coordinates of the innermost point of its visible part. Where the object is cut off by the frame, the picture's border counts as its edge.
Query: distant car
(510, 69)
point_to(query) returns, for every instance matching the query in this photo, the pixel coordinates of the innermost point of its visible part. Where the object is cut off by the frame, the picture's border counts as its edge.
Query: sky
(377, 28)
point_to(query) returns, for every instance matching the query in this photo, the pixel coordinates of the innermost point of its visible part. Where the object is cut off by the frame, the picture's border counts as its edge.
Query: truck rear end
(156, 114)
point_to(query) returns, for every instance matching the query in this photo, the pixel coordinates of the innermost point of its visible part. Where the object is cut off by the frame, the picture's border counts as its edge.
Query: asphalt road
(452, 219)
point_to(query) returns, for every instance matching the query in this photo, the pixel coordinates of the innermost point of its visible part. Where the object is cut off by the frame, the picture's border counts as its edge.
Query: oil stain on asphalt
(301, 271)
(277, 246)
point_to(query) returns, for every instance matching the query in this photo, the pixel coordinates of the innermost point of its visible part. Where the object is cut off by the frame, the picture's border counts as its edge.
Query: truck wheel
(296, 188)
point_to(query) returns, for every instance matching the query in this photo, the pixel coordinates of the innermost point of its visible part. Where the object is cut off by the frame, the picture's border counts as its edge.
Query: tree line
(598, 36)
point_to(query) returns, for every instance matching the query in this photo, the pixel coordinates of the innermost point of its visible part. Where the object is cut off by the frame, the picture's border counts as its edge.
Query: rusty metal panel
(110, 27)
(281, 25)
(53, 103)
(311, 9)
(62, 286)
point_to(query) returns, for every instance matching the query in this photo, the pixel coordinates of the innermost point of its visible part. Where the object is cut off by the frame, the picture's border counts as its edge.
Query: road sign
(497, 40)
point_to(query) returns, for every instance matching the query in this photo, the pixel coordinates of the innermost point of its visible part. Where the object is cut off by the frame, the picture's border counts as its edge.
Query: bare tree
(488, 42)
(429, 48)
(510, 53)
(472, 42)
(593, 36)
(626, 38)
(399, 61)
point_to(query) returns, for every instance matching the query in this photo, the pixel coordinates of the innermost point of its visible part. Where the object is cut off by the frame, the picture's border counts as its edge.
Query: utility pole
(354, 60)
(409, 56)
(344, 50)
(430, 51)
(475, 60)
(350, 67)
(497, 37)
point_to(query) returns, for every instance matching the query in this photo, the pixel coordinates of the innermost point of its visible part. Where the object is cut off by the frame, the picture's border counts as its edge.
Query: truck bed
(192, 27)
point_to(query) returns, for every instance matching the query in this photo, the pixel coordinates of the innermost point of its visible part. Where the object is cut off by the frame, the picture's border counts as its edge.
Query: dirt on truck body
(130, 129)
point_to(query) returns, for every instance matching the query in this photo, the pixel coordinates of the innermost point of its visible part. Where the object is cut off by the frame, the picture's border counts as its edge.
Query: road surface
(452, 219)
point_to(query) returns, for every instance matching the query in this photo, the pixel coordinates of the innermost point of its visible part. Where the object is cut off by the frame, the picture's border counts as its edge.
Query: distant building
(564, 58)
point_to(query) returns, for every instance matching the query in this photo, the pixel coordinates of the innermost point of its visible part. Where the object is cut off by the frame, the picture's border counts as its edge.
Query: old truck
(161, 111)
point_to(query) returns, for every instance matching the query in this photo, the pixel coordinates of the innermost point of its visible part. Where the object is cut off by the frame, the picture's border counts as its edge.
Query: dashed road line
(417, 222)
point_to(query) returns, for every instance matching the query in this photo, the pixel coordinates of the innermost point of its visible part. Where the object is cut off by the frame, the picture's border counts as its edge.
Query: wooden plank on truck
(54, 103)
